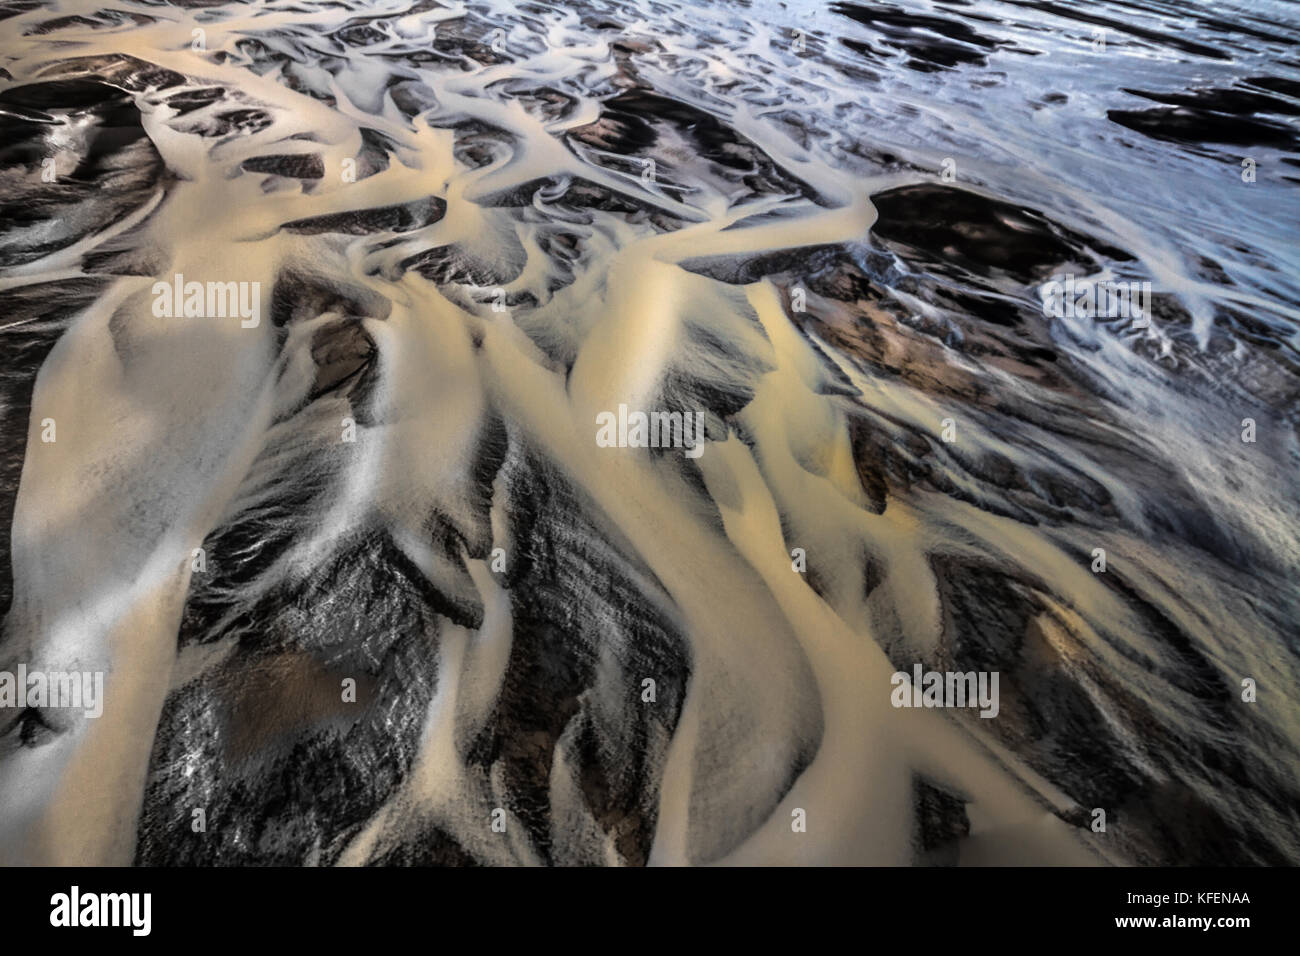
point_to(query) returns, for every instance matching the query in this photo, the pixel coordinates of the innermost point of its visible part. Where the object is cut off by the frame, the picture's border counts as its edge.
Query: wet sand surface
(366, 588)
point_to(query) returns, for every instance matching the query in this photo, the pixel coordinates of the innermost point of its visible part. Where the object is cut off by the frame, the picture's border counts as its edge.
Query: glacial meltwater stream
(310, 313)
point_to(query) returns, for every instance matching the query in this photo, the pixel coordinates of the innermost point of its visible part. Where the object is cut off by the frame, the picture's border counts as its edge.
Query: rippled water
(472, 229)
